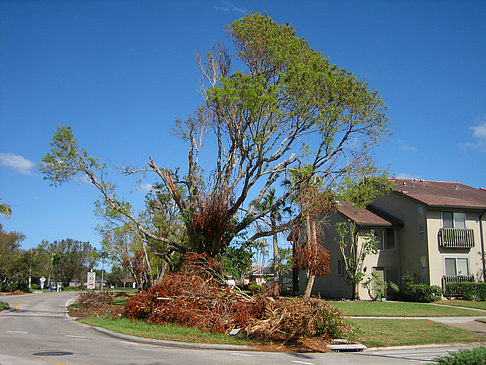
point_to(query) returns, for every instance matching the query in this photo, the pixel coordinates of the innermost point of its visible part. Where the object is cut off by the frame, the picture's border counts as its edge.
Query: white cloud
(404, 175)
(479, 133)
(16, 163)
(406, 147)
(144, 188)
(228, 6)
(84, 179)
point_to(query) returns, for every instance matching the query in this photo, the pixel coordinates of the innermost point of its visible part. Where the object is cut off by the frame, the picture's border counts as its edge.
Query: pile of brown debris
(96, 304)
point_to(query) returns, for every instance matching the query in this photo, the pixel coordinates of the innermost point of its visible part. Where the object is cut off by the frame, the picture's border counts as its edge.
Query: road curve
(37, 331)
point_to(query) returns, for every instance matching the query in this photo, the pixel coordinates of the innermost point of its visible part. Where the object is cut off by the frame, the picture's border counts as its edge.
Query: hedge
(476, 356)
(466, 291)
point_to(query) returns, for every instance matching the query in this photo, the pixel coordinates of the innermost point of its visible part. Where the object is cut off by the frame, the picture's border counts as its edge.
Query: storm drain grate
(52, 353)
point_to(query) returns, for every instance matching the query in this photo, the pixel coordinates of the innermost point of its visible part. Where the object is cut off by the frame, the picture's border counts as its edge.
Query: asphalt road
(37, 331)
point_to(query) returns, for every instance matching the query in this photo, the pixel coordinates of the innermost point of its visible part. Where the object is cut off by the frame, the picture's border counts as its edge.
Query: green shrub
(476, 356)
(481, 292)
(393, 291)
(72, 288)
(255, 288)
(421, 292)
(331, 324)
(3, 306)
(466, 290)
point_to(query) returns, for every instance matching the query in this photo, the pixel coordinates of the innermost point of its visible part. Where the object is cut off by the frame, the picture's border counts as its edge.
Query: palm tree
(5, 210)
(275, 216)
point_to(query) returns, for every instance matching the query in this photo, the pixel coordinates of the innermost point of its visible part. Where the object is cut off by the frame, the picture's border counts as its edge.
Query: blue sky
(120, 73)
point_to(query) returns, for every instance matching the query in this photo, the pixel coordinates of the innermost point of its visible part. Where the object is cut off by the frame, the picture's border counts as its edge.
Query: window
(389, 239)
(454, 220)
(340, 267)
(385, 237)
(421, 223)
(456, 266)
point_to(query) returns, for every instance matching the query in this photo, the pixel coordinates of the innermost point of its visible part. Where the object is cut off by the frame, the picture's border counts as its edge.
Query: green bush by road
(3, 306)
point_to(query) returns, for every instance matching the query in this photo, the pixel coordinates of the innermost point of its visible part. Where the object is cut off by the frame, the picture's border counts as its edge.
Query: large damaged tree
(284, 107)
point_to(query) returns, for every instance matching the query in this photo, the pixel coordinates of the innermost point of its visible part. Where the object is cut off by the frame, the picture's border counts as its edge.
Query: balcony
(446, 279)
(456, 238)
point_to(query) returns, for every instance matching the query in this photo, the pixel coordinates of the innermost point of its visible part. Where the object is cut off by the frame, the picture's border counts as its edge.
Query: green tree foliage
(274, 218)
(117, 275)
(146, 259)
(287, 106)
(237, 262)
(5, 210)
(70, 259)
(11, 275)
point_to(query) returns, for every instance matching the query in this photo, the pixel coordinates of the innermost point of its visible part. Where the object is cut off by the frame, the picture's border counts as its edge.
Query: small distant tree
(353, 253)
(274, 219)
(237, 262)
(285, 261)
(359, 192)
(10, 253)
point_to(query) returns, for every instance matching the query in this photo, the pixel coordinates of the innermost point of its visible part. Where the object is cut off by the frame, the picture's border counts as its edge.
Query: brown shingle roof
(362, 216)
(442, 194)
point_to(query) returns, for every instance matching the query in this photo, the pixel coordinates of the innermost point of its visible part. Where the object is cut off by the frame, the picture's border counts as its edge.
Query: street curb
(187, 345)
(430, 345)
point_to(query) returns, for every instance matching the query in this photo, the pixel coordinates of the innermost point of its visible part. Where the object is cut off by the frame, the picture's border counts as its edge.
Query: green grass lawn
(464, 303)
(399, 309)
(389, 332)
(166, 332)
(371, 332)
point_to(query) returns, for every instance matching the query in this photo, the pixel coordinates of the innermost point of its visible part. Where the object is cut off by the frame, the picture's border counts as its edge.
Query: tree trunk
(356, 291)
(311, 240)
(308, 288)
(275, 249)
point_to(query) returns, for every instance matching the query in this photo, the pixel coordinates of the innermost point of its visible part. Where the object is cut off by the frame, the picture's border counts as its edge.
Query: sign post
(91, 282)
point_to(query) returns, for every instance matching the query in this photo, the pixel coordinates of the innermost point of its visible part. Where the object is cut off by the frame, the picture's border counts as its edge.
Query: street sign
(42, 280)
(91, 280)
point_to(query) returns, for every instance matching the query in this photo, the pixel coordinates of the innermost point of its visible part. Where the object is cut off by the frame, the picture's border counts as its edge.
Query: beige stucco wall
(331, 285)
(413, 251)
(438, 254)
(334, 285)
(385, 259)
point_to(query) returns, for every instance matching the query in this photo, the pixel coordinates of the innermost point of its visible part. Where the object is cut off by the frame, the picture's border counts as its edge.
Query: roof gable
(362, 216)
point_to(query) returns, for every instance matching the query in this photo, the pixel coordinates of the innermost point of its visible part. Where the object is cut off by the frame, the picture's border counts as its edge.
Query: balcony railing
(446, 279)
(456, 238)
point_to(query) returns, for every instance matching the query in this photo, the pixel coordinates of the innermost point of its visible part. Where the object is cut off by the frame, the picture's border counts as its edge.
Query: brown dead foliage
(196, 297)
(96, 304)
(287, 319)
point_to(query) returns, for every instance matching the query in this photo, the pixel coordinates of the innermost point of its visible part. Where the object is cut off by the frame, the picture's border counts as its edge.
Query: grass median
(166, 332)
